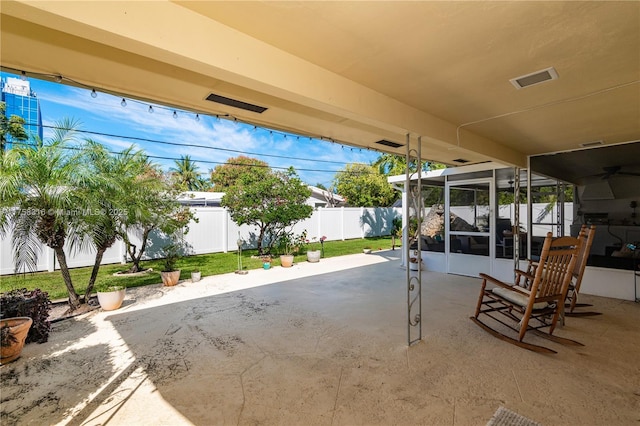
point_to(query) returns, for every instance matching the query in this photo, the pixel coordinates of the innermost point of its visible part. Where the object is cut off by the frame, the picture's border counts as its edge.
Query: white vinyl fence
(215, 232)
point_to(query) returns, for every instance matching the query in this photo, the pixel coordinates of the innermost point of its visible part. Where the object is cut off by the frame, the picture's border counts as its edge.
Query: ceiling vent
(591, 144)
(235, 103)
(389, 143)
(534, 78)
(460, 160)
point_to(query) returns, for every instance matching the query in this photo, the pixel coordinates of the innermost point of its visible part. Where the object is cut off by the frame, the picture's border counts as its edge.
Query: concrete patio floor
(319, 344)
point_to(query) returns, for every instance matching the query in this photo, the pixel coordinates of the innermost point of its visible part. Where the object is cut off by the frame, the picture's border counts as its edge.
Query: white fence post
(225, 231)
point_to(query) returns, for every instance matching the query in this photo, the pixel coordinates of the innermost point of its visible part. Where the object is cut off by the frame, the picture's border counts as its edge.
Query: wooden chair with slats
(534, 302)
(587, 234)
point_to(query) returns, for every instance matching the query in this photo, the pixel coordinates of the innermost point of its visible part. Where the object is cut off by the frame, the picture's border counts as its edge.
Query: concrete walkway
(324, 344)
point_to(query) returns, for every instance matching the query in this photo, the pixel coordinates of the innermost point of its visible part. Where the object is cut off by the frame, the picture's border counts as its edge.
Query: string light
(59, 78)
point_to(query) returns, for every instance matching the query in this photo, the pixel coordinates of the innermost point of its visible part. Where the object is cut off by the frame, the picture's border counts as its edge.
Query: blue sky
(112, 122)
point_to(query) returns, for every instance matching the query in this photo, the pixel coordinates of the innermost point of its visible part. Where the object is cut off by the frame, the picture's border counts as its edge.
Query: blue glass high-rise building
(20, 100)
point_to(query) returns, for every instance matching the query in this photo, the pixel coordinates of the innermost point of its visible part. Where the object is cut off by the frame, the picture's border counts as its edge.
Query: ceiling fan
(614, 170)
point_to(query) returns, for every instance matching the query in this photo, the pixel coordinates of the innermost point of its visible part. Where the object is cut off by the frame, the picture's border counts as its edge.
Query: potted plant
(366, 250)
(313, 255)
(34, 304)
(196, 275)
(13, 333)
(110, 297)
(266, 262)
(170, 275)
(289, 245)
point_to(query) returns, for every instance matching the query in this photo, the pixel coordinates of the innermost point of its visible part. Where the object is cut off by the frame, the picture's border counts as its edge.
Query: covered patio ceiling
(358, 72)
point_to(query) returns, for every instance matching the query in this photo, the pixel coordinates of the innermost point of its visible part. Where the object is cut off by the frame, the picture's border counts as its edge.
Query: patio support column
(413, 276)
(516, 217)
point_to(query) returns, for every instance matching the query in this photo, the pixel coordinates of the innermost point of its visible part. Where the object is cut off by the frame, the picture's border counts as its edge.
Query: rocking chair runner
(523, 308)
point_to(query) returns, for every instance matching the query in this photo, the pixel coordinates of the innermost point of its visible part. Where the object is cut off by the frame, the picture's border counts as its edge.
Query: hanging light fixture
(175, 114)
(93, 93)
(124, 102)
(23, 76)
(150, 109)
(197, 117)
(58, 79)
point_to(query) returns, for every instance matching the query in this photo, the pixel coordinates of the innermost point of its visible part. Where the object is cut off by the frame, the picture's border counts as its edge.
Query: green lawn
(209, 264)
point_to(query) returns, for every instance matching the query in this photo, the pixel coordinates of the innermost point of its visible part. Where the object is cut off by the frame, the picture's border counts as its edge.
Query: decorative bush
(34, 304)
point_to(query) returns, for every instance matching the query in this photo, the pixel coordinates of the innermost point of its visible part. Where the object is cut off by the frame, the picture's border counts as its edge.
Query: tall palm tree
(38, 197)
(393, 165)
(106, 198)
(186, 174)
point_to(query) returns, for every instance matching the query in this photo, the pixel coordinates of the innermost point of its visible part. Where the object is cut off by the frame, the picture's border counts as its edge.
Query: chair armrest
(502, 284)
(522, 273)
(494, 280)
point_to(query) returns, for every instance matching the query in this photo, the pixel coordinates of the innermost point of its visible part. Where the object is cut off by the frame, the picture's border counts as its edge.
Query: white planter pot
(313, 256)
(196, 276)
(111, 300)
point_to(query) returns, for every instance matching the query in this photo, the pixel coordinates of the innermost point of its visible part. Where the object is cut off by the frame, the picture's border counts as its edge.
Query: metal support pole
(516, 218)
(413, 276)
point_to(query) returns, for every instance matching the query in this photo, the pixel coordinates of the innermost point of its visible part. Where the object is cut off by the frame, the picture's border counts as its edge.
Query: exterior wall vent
(460, 160)
(389, 143)
(235, 103)
(534, 78)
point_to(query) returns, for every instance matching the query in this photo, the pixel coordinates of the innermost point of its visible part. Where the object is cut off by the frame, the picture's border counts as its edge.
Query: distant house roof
(323, 198)
(319, 198)
(200, 198)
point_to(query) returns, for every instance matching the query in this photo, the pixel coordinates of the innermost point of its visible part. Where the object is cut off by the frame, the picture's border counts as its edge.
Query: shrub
(34, 304)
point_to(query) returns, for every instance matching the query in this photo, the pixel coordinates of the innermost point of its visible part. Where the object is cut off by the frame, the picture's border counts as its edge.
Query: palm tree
(38, 197)
(390, 164)
(115, 175)
(186, 174)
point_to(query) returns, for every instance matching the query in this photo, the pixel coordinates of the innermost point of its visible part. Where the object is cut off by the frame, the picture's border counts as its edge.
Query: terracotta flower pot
(286, 260)
(111, 300)
(170, 279)
(19, 328)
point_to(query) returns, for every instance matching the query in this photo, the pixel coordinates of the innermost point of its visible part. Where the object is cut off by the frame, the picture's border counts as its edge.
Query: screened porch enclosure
(478, 219)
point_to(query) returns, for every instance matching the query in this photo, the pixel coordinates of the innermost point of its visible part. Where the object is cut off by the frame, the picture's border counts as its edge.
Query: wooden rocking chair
(523, 308)
(587, 234)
